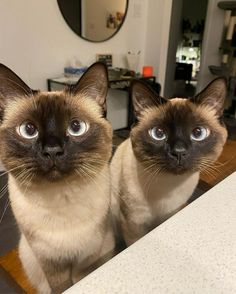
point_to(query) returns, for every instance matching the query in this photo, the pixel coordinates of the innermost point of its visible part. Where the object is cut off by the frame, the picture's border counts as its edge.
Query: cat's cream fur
(167, 194)
(147, 187)
(69, 224)
(63, 214)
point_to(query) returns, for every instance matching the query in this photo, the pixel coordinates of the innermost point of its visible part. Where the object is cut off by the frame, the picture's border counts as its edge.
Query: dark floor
(8, 230)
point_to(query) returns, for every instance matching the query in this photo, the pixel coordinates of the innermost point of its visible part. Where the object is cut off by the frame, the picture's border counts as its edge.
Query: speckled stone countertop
(192, 252)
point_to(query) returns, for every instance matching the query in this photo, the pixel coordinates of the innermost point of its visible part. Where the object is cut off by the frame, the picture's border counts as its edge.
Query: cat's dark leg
(135, 219)
(32, 267)
(82, 269)
(105, 252)
(58, 274)
(47, 276)
(132, 231)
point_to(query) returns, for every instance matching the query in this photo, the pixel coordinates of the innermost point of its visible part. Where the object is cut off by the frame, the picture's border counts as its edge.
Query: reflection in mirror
(94, 20)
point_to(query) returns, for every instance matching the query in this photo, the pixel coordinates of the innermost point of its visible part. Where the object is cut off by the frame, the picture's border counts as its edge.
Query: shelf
(227, 5)
(218, 70)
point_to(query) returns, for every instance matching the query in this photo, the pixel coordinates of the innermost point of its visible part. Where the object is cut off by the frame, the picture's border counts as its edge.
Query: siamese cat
(156, 170)
(56, 147)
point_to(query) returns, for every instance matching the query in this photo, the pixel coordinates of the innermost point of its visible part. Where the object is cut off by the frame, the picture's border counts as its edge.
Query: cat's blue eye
(27, 130)
(199, 134)
(157, 134)
(77, 128)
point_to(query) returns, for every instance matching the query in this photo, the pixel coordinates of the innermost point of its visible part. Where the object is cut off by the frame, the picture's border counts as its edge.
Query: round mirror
(94, 20)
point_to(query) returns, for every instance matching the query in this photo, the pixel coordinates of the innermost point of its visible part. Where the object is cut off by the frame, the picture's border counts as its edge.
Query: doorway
(185, 47)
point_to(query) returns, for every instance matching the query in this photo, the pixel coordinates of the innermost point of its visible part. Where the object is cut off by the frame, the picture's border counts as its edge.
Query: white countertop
(192, 252)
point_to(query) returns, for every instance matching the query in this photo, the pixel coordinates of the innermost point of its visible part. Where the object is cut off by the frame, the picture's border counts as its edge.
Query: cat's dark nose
(178, 152)
(53, 151)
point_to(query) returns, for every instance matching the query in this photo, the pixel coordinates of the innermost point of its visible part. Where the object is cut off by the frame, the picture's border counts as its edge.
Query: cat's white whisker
(25, 180)
(209, 168)
(150, 180)
(24, 176)
(86, 172)
(3, 191)
(13, 169)
(4, 210)
(21, 176)
(29, 180)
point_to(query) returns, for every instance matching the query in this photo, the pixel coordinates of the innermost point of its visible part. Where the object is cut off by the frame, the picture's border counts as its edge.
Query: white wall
(157, 36)
(211, 42)
(117, 108)
(37, 43)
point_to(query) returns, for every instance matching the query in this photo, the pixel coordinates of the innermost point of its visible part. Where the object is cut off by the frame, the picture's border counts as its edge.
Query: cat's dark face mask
(54, 136)
(179, 135)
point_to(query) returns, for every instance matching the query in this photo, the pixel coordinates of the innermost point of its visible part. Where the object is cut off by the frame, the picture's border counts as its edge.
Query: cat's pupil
(197, 132)
(30, 129)
(159, 133)
(75, 125)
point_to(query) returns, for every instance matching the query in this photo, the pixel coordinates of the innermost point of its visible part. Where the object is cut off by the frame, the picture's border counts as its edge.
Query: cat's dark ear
(94, 84)
(11, 86)
(213, 95)
(144, 97)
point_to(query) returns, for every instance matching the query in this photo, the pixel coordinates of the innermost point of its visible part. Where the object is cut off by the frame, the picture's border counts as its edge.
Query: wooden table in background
(11, 271)
(226, 166)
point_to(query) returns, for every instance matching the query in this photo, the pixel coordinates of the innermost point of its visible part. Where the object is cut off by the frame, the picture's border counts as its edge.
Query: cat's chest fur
(146, 199)
(66, 217)
(169, 193)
